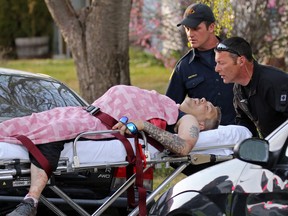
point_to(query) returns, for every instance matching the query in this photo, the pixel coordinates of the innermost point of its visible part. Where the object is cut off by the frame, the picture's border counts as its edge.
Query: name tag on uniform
(193, 75)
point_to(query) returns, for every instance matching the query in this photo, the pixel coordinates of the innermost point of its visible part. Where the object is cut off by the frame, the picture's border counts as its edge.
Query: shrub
(23, 18)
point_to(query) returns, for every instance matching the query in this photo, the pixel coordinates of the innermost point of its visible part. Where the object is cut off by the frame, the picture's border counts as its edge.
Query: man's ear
(241, 60)
(211, 27)
(201, 125)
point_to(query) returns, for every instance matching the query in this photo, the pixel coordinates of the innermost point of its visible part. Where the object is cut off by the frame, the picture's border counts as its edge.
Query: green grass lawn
(146, 72)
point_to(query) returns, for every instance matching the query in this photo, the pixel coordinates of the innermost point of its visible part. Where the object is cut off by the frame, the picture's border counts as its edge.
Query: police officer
(194, 74)
(261, 92)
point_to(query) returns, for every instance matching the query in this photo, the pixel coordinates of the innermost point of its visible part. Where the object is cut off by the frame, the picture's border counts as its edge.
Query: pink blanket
(65, 123)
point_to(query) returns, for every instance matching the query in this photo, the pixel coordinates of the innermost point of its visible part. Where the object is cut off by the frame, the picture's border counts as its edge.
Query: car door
(265, 190)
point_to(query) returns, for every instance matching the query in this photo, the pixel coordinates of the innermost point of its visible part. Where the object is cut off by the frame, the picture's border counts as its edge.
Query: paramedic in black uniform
(261, 91)
(194, 74)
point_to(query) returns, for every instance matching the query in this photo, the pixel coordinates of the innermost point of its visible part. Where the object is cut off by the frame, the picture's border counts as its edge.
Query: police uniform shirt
(195, 76)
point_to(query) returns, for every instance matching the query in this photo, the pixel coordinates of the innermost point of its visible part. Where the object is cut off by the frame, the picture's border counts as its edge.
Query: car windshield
(23, 95)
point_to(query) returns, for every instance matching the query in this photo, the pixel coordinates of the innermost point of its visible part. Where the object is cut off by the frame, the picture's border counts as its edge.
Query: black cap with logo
(195, 14)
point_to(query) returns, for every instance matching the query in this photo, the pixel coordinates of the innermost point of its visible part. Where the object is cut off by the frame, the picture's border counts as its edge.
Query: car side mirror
(253, 150)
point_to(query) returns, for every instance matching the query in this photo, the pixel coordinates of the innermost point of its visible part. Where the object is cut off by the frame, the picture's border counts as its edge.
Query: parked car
(24, 93)
(256, 183)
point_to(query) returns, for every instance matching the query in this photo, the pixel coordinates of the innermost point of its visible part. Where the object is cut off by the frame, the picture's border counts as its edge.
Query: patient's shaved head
(203, 110)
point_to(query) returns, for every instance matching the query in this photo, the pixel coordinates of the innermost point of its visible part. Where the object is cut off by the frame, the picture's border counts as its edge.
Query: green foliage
(23, 18)
(137, 56)
(147, 72)
(223, 13)
(160, 174)
(61, 69)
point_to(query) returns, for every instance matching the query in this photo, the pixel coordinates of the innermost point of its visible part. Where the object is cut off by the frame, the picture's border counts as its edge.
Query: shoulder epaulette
(184, 56)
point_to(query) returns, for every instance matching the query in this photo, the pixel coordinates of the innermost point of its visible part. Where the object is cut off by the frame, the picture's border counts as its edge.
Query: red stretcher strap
(137, 161)
(109, 122)
(42, 160)
(140, 178)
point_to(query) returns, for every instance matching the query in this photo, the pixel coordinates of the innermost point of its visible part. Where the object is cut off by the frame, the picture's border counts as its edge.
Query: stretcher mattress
(92, 151)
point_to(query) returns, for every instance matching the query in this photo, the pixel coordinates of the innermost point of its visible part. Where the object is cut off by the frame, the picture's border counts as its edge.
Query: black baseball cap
(195, 14)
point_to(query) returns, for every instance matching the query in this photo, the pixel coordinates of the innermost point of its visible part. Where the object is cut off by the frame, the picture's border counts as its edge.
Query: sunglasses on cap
(223, 47)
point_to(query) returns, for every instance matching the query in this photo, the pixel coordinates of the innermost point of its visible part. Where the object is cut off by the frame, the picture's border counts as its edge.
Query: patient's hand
(123, 129)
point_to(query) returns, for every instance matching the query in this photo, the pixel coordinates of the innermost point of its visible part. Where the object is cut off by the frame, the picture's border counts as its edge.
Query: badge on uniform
(283, 98)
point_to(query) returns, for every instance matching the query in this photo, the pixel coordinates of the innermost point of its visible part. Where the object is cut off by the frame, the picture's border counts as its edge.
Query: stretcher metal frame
(65, 165)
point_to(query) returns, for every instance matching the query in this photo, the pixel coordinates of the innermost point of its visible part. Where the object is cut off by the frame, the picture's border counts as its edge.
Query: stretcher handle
(230, 146)
(76, 161)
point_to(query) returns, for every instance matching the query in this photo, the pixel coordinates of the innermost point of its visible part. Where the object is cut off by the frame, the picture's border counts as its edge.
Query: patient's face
(201, 108)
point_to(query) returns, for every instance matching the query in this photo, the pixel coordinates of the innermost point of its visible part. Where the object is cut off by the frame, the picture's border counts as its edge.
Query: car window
(20, 96)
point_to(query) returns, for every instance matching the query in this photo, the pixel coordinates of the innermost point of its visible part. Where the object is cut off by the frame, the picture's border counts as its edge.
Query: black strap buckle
(92, 109)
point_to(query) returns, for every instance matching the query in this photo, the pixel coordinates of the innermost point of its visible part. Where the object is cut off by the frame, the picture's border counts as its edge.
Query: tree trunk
(97, 37)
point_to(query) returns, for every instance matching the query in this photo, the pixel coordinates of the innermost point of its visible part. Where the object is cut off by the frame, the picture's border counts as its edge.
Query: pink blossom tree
(153, 26)
(264, 23)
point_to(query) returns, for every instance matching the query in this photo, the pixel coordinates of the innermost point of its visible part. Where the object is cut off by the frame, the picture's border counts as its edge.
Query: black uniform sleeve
(244, 120)
(275, 92)
(176, 88)
(281, 98)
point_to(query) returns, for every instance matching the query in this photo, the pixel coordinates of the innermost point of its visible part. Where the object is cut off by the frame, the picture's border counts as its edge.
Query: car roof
(8, 71)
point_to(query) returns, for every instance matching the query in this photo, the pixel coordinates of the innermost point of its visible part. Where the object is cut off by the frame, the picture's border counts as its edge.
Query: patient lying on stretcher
(134, 107)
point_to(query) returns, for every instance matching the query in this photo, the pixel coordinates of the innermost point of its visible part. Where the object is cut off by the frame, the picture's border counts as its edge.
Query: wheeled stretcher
(215, 145)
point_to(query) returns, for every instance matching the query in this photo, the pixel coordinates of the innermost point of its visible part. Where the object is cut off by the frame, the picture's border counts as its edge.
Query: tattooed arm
(170, 141)
(187, 130)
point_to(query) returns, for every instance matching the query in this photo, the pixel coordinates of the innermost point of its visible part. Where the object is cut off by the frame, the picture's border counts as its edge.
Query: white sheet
(114, 151)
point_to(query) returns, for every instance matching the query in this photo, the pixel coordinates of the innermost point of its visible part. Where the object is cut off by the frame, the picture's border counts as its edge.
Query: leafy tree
(223, 13)
(264, 23)
(97, 37)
